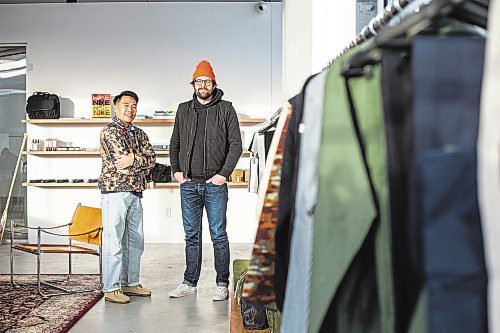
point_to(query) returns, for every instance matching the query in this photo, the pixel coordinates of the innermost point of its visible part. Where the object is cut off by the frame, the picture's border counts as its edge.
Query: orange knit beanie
(204, 69)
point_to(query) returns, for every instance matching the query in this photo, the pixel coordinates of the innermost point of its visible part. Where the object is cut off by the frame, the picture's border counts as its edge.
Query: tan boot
(116, 296)
(137, 290)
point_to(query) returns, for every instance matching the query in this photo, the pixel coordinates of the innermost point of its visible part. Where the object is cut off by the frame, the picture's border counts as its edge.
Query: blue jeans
(194, 197)
(123, 239)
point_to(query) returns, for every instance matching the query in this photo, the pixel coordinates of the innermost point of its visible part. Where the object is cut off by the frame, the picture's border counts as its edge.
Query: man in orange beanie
(204, 149)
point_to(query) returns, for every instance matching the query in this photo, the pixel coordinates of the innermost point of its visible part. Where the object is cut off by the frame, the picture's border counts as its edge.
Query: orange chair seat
(53, 248)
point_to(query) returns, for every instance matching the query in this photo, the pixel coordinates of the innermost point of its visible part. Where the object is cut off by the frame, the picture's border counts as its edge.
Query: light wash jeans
(123, 239)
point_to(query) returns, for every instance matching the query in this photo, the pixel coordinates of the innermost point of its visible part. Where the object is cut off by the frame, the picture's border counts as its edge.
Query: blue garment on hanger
(447, 74)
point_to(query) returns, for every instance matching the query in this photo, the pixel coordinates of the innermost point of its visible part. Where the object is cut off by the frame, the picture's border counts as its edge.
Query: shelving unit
(94, 185)
(95, 153)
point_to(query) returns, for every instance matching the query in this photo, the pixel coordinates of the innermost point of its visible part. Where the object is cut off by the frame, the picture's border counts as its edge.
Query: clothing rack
(473, 12)
(375, 24)
(470, 11)
(272, 122)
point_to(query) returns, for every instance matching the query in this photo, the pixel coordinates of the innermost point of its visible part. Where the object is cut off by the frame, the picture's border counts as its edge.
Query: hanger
(269, 126)
(376, 24)
(468, 11)
(272, 122)
(473, 12)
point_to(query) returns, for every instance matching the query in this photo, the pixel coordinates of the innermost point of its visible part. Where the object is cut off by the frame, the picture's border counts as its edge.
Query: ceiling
(74, 1)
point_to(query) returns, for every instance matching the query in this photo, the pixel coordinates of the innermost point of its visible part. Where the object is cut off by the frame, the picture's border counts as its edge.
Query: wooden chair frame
(39, 248)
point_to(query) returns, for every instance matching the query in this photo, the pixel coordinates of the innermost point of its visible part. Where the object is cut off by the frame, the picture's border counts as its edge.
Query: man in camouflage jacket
(127, 157)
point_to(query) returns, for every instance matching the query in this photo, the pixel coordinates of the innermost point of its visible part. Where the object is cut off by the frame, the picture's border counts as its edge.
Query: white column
(297, 37)
(314, 33)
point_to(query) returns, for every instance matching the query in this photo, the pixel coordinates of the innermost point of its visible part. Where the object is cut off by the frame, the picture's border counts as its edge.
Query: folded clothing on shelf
(167, 114)
(143, 116)
(160, 146)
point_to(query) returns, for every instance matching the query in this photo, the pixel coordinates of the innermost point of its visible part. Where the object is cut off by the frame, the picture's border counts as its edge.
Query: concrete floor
(162, 270)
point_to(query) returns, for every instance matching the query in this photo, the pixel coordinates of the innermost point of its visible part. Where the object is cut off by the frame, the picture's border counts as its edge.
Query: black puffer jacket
(222, 138)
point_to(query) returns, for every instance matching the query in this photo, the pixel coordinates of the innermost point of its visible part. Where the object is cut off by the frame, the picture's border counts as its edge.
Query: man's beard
(206, 94)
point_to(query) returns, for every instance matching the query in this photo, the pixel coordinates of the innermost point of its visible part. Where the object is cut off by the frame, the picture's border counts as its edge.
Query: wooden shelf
(245, 153)
(174, 185)
(94, 185)
(77, 153)
(75, 121)
(83, 121)
(62, 152)
(61, 184)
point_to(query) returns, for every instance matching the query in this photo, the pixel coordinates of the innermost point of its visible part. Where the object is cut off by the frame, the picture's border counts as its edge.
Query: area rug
(22, 309)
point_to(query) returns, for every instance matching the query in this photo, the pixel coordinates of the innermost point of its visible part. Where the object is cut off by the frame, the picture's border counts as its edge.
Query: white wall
(314, 33)
(152, 48)
(334, 26)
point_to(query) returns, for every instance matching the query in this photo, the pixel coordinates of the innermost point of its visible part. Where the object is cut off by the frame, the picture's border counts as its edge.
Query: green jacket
(352, 288)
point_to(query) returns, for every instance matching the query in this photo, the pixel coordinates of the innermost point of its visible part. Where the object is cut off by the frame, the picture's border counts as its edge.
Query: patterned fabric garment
(258, 286)
(116, 140)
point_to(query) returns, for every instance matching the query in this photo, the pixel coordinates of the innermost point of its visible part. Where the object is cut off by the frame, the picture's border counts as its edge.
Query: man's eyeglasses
(200, 82)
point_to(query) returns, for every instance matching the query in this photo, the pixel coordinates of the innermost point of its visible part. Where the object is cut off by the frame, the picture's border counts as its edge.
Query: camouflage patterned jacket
(117, 140)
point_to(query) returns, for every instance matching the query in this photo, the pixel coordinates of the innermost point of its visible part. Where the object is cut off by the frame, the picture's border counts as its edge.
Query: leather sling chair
(85, 227)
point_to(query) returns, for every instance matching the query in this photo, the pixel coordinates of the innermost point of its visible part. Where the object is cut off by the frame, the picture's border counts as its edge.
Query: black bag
(160, 173)
(253, 314)
(42, 105)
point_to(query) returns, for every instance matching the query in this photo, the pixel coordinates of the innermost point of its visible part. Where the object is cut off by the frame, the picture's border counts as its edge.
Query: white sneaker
(220, 293)
(182, 290)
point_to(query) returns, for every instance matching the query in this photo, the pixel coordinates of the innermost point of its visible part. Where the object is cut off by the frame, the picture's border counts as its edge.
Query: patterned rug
(24, 310)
